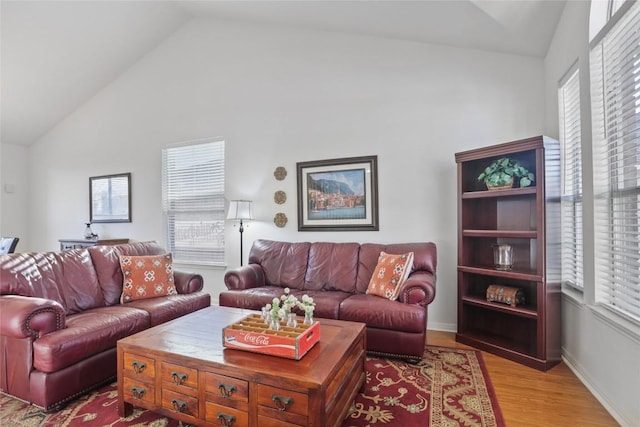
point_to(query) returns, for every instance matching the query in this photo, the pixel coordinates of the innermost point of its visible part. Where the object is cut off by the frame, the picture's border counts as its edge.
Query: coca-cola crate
(252, 334)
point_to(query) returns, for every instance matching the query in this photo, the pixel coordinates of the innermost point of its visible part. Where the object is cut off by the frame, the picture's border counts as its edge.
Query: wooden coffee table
(180, 369)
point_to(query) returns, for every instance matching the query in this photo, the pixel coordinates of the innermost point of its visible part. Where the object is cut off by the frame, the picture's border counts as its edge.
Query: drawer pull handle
(179, 379)
(226, 390)
(137, 392)
(226, 420)
(282, 402)
(138, 367)
(179, 405)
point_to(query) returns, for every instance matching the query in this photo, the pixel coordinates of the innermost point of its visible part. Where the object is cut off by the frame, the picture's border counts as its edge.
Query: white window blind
(193, 201)
(615, 91)
(571, 198)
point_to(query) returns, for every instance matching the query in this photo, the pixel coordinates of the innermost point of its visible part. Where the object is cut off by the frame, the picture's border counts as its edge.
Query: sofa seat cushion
(327, 303)
(163, 309)
(382, 313)
(86, 334)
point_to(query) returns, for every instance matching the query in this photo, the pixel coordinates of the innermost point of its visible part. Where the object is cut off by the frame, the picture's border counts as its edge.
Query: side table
(66, 244)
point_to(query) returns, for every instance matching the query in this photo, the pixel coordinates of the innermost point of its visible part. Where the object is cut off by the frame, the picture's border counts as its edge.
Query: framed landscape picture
(338, 194)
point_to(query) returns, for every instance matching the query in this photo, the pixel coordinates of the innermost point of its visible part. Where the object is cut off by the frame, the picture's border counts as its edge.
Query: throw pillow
(390, 273)
(146, 276)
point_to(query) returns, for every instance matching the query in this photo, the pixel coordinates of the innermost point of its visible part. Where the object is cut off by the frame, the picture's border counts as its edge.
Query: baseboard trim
(584, 378)
(442, 327)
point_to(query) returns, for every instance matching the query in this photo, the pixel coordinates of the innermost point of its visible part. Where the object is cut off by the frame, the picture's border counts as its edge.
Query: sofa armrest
(420, 289)
(22, 317)
(247, 277)
(187, 283)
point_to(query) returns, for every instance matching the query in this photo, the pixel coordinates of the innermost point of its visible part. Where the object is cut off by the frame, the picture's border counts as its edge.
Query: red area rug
(448, 387)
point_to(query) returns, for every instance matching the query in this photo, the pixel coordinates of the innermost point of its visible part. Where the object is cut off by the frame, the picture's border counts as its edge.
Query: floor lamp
(240, 210)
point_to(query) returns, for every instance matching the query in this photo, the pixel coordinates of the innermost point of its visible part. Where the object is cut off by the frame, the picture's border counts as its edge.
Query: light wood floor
(529, 397)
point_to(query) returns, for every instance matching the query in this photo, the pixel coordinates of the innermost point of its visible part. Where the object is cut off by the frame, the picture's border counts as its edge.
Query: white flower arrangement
(307, 305)
(280, 308)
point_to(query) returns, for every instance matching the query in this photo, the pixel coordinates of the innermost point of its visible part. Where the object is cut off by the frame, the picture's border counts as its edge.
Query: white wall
(604, 355)
(280, 96)
(14, 191)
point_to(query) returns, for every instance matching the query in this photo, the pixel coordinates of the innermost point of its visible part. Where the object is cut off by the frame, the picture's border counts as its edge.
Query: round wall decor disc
(280, 220)
(280, 197)
(280, 173)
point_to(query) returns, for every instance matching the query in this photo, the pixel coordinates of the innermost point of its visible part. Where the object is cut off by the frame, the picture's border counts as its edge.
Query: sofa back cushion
(284, 263)
(67, 277)
(106, 260)
(424, 259)
(332, 267)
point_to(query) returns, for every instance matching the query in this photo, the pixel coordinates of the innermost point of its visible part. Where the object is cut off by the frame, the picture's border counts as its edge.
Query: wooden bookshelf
(528, 219)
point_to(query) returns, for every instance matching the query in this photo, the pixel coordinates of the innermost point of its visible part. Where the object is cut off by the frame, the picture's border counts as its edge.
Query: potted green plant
(501, 173)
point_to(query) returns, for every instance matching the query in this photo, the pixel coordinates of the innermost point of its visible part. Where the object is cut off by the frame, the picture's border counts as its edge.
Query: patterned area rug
(448, 387)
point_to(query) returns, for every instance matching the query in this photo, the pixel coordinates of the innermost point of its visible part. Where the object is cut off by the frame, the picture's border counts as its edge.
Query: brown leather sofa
(60, 319)
(336, 276)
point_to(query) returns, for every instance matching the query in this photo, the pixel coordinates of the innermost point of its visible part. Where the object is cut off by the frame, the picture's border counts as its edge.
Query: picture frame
(338, 194)
(110, 198)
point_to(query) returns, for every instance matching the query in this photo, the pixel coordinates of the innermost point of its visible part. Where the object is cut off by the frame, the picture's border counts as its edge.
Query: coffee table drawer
(180, 403)
(138, 391)
(227, 388)
(225, 416)
(272, 422)
(282, 404)
(180, 376)
(137, 366)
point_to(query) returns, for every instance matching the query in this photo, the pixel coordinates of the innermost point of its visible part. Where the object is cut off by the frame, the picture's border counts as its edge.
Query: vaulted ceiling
(55, 55)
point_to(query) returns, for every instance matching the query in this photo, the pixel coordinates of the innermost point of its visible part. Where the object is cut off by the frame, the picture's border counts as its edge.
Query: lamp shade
(239, 209)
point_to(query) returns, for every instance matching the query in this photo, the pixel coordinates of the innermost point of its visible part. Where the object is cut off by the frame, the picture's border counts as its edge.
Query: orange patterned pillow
(146, 277)
(390, 273)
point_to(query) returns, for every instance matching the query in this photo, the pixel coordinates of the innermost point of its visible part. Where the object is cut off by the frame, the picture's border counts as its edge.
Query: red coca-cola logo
(256, 339)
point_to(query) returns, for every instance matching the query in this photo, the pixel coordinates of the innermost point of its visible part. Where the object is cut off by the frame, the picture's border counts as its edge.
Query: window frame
(194, 196)
(616, 202)
(571, 199)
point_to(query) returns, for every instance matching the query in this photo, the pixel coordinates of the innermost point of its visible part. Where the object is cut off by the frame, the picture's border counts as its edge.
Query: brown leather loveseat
(61, 317)
(337, 276)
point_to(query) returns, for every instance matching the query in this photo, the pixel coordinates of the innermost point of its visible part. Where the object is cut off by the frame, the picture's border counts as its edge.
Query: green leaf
(503, 170)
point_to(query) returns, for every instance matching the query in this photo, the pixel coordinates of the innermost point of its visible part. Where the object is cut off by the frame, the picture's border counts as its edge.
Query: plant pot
(500, 187)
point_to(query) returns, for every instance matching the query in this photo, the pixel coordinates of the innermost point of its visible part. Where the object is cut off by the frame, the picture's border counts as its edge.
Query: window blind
(615, 75)
(193, 201)
(571, 197)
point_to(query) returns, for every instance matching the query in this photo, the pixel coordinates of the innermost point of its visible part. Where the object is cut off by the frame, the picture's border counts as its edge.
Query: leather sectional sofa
(61, 317)
(337, 276)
